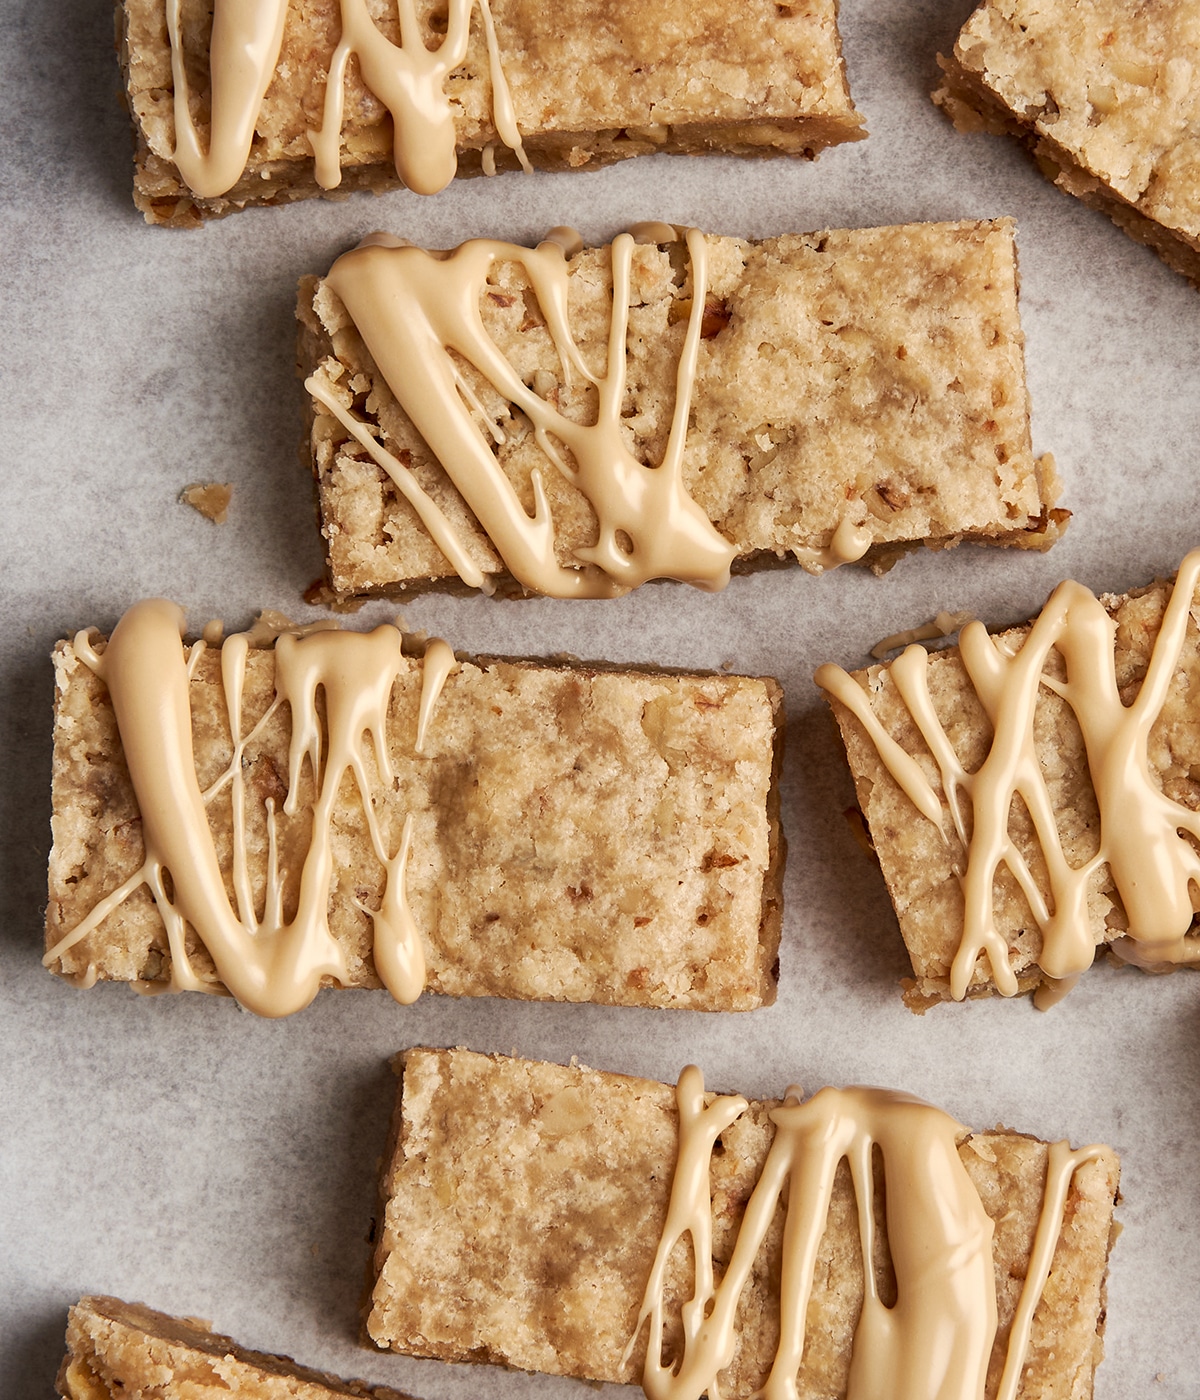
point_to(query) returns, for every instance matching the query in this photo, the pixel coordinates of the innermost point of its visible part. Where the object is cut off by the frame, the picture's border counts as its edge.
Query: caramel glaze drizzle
(935, 1341)
(246, 39)
(1143, 833)
(409, 82)
(408, 79)
(413, 307)
(847, 545)
(271, 966)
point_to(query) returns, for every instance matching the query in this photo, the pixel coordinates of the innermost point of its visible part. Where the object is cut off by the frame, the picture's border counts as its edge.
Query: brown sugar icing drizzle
(272, 966)
(412, 308)
(407, 78)
(246, 38)
(935, 1341)
(1144, 834)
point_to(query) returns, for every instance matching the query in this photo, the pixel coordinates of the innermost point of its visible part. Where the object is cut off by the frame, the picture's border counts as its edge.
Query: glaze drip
(271, 965)
(847, 545)
(408, 78)
(935, 1341)
(412, 308)
(1147, 840)
(243, 52)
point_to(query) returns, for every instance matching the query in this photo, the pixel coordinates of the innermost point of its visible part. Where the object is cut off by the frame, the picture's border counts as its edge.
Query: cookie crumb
(210, 498)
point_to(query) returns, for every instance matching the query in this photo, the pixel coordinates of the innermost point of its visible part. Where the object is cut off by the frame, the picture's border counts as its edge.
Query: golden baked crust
(1105, 94)
(875, 374)
(673, 75)
(578, 834)
(117, 1350)
(920, 865)
(583, 1163)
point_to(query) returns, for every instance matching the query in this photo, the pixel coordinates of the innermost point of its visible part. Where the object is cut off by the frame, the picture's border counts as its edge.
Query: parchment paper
(182, 1153)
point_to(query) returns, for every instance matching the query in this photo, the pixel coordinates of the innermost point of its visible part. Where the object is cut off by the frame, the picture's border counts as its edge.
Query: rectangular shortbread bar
(583, 1162)
(923, 864)
(871, 378)
(1106, 96)
(578, 834)
(588, 87)
(117, 1350)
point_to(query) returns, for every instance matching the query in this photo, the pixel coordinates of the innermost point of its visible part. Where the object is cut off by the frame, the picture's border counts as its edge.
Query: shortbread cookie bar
(276, 100)
(598, 1181)
(827, 397)
(117, 1350)
(1106, 97)
(485, 828)
(1035, 796)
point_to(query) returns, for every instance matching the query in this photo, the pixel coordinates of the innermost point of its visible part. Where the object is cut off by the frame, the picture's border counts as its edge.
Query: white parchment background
(182, 1153)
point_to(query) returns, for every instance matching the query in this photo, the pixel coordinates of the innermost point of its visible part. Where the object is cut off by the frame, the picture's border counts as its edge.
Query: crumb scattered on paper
(210, 498)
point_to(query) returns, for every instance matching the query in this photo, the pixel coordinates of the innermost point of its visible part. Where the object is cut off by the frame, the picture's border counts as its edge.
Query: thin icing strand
(429, 512)
(1060, 1172)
